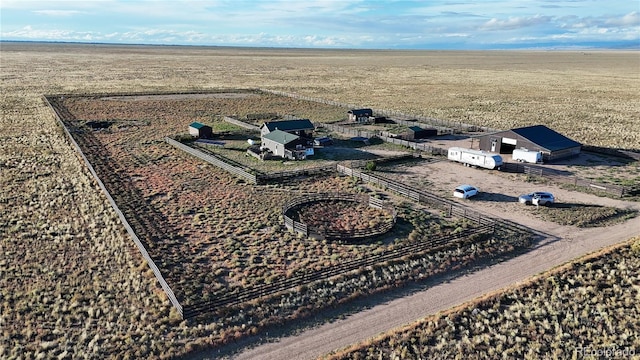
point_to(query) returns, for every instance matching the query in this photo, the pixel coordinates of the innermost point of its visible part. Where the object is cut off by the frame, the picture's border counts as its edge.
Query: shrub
(370, 166)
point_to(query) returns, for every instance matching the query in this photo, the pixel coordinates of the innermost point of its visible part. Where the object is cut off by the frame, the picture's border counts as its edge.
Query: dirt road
(564, 244)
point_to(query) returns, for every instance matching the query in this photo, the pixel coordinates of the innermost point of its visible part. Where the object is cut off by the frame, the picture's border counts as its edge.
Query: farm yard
(72, 280)
(213, 236)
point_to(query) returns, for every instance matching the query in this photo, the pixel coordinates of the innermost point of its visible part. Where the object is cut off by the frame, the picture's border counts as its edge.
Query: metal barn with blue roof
(552, 144)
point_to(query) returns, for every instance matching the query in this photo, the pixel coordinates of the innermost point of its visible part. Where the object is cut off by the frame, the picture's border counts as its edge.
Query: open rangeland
(74, 285)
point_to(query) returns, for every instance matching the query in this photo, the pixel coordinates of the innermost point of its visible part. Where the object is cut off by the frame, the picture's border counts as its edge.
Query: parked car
(465, 191)
(539, 197)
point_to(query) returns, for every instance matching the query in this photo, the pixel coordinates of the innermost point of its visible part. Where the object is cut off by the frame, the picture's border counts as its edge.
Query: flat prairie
(72, 284)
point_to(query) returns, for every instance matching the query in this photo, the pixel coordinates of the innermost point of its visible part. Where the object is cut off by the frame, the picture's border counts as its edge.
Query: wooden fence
(445, 126)
(55, 107)
(350, 131)
(214, 160)
(241, 295)
(317, 170)
(455, 126)
(419, 196)
(257, 178)
(307, 230)
(241, 123)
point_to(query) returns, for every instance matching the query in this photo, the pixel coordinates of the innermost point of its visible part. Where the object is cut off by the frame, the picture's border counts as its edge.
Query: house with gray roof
(286, 145)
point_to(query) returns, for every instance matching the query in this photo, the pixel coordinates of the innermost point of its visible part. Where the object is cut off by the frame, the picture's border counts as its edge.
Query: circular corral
(338, 216)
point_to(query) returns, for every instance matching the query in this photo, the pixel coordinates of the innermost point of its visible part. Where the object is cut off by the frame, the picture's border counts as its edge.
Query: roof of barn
(289, 125)
(546, 137)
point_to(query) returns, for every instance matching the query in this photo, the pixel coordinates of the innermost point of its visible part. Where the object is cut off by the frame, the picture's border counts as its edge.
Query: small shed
(416, 132)
(199, 130)
(552, 144)
(360, 115)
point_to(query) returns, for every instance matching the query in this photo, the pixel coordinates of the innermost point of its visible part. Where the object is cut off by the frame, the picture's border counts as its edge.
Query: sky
(343, 24)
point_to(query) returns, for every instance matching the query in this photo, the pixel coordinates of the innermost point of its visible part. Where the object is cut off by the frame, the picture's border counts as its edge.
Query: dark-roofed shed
(360, 115)
(416, 132)
(552, 144)
(199, 130)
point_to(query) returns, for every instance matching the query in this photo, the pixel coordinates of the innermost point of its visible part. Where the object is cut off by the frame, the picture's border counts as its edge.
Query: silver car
(539, 197)
(465, 191)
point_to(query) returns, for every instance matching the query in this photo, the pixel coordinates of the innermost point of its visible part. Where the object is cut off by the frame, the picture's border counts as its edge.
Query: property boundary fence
(455, 126)
(54, 106)
(307, 230)
(452, 126)
(239, 295)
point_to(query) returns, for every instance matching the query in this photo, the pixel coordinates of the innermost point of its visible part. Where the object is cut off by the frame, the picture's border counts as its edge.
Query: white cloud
(515, 22)
(630, 19)
(29, 33)
(58, 13)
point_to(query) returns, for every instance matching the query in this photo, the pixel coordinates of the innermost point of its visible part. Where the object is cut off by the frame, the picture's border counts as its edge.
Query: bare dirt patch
(499, 193)
(180, 97)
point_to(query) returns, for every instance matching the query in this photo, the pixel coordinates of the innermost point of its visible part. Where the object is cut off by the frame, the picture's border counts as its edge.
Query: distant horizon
(329, 24)
(559, 49)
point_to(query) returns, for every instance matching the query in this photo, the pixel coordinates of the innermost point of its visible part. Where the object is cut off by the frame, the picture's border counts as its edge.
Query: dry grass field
(72, 282)
(585, 309)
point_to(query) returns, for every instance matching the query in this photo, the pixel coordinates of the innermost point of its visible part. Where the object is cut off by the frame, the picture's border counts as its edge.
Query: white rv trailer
(524, 155)
(470, 157)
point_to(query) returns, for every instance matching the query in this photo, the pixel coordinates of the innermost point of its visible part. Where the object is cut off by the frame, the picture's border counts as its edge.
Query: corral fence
(451, 208)
(453, 126)
(253, 177)
(539, 171)
(620, 153)
(422, 147)
(214, 160)
(445, 126)
(306, 230)
(53, 104)
(441, 130)
(240, 123)
(317, 170)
